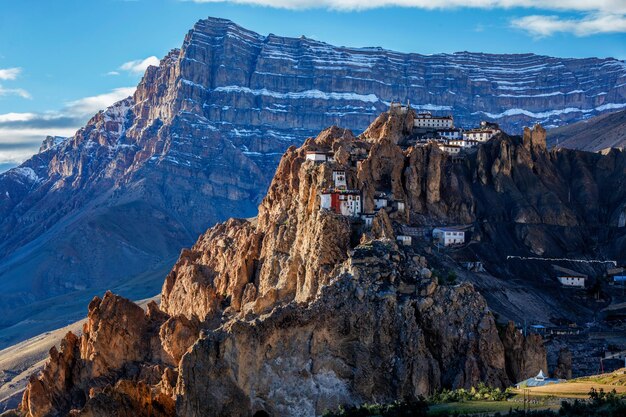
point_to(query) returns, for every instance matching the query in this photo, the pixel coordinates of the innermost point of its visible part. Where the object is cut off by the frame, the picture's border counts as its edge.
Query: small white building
(380, 201)
(368, 219)
(428, 121)
(339, 178)
(569, 278)
(457, 142)
(350, 204)
(450, 133)
(344, 202)
(480, 135)
(572, 281)
(317, 156)
(451, 149)
(404, 240)
(326, 200)
(448, 236)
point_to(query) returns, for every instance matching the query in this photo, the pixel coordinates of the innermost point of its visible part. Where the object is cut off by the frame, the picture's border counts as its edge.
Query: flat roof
(451, 228)
(430, 116)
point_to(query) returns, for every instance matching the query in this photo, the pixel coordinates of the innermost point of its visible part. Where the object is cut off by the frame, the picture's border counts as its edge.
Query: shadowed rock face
(598, 133)
(200, 140)
(296, 312)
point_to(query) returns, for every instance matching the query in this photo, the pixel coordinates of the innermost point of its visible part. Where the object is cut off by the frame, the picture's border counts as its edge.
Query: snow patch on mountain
(308, 94)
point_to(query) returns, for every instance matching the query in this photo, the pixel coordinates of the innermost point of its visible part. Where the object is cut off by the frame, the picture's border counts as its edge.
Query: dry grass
(574, 389)
(616, 378)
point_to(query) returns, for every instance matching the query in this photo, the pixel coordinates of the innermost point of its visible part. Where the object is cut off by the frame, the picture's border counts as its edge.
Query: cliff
(110, 206)
(300, 310)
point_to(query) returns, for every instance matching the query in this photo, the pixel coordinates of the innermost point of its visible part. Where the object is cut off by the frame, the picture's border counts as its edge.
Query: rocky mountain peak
(50, 142)
(535, 137)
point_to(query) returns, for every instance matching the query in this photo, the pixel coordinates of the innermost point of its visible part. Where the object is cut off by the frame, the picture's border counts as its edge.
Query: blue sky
(62, 60)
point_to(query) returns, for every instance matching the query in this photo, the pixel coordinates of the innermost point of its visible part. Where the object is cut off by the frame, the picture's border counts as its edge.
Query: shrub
(480, 393)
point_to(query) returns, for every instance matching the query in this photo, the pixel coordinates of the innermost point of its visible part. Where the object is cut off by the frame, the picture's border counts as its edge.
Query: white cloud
(88, 106)
(21, 134)
(599, 16)
(139, 66)
(542, 26)
(9, 73)
(16, 117)
(609, 6)
(14, 92)
(113, 73)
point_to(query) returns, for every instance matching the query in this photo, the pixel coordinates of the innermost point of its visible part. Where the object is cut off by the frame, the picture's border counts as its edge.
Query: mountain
(302, 309)
(595, 134)
(111, 206)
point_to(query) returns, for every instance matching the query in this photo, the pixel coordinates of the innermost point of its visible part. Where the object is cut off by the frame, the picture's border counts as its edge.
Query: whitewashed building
(326, 200)
(569, 278)
(448, 236)
(404, 240)
(339, 178)
(450, 133)
(457, 142)
(572, 281)
(317, 156)
(380, 201)
(480, 135)
(344, 202)
(368, 219)
(451, 149)
(350, 204)
(428, 121)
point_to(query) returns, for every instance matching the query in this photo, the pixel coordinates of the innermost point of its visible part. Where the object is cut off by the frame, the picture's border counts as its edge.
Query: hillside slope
(595, 134)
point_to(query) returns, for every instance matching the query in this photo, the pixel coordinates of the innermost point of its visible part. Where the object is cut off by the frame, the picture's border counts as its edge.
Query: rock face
(117, 343)
(299, 310)
(203, 133)
(525, 356)
(564, 365)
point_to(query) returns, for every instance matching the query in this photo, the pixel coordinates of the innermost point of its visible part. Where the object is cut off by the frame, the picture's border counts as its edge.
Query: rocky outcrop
(563, 368)
(50, 142)
(300, 309)
(360, 339)
(525, 355)
(199, 140)
(118, 364)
